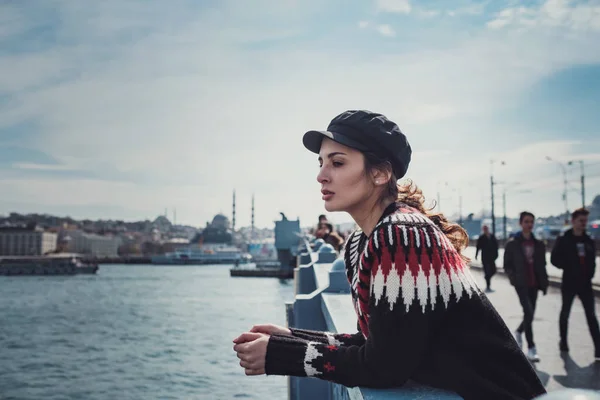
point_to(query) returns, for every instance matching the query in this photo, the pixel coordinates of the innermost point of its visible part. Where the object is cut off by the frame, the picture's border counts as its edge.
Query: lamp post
(564, 172)
(582, 180)
(492, 183)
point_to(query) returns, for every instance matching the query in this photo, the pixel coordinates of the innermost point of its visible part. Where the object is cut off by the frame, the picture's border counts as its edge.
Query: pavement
(577, 369)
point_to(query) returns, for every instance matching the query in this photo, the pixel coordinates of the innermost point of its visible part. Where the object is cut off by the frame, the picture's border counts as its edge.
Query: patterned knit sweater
(420, 316)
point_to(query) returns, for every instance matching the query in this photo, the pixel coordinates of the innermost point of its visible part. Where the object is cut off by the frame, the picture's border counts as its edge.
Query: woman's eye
(337, 164)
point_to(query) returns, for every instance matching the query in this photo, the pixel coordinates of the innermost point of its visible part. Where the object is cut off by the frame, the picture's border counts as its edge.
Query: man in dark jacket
(525, 265)
(575, 253)
(488, 245)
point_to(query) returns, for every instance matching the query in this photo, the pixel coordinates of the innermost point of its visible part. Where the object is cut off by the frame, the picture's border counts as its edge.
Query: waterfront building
(26, 241)
(92, 244)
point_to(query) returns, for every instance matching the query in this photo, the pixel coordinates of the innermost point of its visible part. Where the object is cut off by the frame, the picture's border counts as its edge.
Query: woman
(420, 314)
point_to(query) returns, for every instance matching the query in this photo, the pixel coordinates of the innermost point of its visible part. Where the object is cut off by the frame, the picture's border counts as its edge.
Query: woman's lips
(327, 195)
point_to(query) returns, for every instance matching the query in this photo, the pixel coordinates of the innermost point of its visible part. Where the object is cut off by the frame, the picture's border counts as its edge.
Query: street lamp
(564, 172)
(582, 180)
(492, 183)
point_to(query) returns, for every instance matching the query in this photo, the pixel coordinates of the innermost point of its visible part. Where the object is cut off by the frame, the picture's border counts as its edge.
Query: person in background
(333, 238)
(574, 252)
(420, 314)
(525, 265)
(488, 245)
(326, 232)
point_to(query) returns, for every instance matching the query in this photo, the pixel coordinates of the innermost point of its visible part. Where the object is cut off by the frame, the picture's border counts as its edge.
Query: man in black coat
(525, 265)
(488, 245)
(575, 253)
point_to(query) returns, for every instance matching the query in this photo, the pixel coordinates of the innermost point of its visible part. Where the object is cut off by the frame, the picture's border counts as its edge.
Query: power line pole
(504, 217)
(582, 186)
(493, 215)
(492, 184)
(582, 181)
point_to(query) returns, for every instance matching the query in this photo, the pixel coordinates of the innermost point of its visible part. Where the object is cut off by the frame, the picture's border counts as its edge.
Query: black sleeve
(557, 255)
(509, 265)
(337, 339)
(593, 271)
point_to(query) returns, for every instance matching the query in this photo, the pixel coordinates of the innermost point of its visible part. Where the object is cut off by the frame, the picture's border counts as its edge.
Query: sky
(121, 109)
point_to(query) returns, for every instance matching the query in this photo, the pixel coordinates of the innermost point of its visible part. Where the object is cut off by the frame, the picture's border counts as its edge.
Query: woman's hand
(251, 349)
(270, 329)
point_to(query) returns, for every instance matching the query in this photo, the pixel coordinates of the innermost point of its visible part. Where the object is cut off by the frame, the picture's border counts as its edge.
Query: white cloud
(428, 13)
(363, 24)
(386, 30)
(394, 6)
(42, 167)
(566, 14)
(473, 9)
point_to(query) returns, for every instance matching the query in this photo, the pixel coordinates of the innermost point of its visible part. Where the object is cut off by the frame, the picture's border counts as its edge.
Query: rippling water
(134, 332)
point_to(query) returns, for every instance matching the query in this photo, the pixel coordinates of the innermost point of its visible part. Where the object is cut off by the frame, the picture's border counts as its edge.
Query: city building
(28, 240)
(92, 244)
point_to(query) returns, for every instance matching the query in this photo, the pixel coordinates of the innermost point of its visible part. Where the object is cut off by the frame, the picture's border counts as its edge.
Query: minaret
(233, 217)
(174, 216)
(252, 216)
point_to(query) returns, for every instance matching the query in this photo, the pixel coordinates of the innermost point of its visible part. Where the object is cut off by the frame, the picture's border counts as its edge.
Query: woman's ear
(381, 177)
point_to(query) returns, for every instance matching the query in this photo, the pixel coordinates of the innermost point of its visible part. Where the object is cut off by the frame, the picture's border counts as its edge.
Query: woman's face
(344, 184)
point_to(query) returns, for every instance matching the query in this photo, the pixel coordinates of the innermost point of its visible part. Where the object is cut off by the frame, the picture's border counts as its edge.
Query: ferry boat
(56, 264)
(203, 255)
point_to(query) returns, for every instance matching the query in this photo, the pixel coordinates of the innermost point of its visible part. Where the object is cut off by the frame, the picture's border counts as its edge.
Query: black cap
(366, 131)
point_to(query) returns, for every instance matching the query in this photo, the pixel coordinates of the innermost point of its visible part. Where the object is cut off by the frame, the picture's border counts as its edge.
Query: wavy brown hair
(412, 196)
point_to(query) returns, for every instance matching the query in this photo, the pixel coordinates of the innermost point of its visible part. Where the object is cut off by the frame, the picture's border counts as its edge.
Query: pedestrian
(319, 230)
(333, 238)
(421, 315)
(525, 265)
(575, 253)
(488, 245)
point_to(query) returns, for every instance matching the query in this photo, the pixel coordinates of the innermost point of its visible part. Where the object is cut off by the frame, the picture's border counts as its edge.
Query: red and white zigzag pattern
(407, 259)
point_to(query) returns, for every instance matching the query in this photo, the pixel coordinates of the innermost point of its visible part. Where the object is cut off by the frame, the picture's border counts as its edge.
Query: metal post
(493, 216)
(565, 190)
(582, 185)
(504, 217)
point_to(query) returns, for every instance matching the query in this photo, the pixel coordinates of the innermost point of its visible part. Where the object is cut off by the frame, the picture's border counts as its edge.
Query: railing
(323, 303)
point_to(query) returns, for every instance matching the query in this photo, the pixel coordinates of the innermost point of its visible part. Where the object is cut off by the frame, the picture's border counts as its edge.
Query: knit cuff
(285, 356)
(314, 336)
(336, 339)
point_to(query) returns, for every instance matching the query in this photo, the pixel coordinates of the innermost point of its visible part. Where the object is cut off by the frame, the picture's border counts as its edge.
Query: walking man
(488, 245)
(575, 253)
(525, 265)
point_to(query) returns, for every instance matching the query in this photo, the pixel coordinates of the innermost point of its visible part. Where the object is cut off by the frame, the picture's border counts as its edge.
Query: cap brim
(312, 140)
